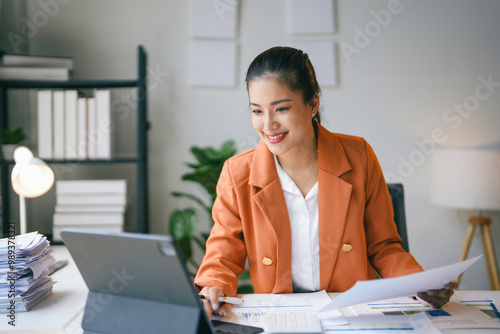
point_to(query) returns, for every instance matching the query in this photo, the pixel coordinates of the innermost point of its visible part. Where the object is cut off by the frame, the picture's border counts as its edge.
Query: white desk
(62, 312)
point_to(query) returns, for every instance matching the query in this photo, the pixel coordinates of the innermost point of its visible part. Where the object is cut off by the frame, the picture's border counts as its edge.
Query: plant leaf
(228, 149)
(205, 235)
(205, 172)
(200, 155)
(201, 243)
(12, 136)
(244, 276)
(182, 225)
(194, 198)
(245, 289)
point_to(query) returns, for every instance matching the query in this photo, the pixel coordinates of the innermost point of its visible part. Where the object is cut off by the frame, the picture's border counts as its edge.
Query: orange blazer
(357, 234)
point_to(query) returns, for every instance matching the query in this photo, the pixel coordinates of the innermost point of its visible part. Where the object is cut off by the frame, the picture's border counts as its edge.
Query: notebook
(138, 283)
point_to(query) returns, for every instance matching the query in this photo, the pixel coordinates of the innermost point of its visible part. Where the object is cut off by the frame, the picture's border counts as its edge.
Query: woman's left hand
(438, 298)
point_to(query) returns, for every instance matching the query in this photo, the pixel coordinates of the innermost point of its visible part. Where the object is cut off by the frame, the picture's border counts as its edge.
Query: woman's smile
(276, 138)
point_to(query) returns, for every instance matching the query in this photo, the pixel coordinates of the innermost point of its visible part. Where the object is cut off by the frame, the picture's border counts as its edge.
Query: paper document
(459, 315)
(256, 307)
(408, 285)
(455, 314)
(415, 323)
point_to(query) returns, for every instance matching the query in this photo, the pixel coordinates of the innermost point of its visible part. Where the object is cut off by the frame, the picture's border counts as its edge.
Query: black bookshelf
(27, 84)
(141, 158)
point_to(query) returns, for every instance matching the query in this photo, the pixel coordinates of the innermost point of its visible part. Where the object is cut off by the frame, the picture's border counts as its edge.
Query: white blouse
(303, 215)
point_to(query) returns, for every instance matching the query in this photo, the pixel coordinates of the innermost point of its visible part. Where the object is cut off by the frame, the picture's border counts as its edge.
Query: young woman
(308, 208)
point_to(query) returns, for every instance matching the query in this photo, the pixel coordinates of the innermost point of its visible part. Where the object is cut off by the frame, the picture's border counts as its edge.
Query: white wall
(394, 92)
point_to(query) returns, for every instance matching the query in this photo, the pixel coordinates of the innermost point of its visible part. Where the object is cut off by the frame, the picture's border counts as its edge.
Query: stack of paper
(24, 269)
(97, 205)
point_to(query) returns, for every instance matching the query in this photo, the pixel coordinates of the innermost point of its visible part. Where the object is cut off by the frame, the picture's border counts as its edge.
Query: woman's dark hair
(289, 66)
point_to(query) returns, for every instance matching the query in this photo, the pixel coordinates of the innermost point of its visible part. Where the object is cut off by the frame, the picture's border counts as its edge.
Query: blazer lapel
(334, 195)
(271, 201)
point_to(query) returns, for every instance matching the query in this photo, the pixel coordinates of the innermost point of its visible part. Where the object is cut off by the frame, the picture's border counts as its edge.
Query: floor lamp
(470, 179)
(31, 177)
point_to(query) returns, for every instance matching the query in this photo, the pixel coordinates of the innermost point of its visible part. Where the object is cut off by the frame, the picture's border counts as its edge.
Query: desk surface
(62, 312)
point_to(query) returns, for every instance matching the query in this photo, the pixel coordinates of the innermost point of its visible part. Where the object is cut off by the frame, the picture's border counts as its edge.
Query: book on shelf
(86, 208)
(103, 123)
(37, 61)
(71, 124)
(91, 128)
(58, 114)
(33, 73)
(82, 122)
(91, 204)
(118, 186)
(91, 199)
(88, 218)
(45, 123)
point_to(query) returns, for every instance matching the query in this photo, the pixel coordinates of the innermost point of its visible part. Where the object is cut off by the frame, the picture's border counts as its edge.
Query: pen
(228, 300)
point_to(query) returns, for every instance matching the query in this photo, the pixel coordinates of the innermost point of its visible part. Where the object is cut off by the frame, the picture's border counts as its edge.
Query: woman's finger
(225, 309)
(452, 285)
(214, 294)
(431, 300)
(208, 308)
(440, 293)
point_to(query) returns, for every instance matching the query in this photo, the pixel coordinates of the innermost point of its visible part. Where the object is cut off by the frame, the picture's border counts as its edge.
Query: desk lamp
(31, 177)
(470, 179)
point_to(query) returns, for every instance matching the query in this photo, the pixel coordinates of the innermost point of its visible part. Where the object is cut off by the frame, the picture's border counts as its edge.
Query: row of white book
(72, 127)
(98, 205)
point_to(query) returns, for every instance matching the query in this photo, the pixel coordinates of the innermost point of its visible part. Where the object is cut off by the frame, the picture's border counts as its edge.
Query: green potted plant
(183, 222)
(10, 139)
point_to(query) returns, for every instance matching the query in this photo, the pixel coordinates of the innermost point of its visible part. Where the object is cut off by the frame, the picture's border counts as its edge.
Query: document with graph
(257, 307)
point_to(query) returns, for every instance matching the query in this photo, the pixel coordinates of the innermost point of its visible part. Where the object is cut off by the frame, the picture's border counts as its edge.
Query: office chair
(397, 196)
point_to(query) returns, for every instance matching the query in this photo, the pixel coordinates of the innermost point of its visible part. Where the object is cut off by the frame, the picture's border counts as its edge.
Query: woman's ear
(314, 104)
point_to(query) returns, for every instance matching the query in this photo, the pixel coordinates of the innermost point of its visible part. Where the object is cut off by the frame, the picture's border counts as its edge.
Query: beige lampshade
(466, 178)
(31, 177)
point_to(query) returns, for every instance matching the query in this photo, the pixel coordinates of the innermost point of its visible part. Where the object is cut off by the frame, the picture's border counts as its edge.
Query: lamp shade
(31, 177)
(466, 178)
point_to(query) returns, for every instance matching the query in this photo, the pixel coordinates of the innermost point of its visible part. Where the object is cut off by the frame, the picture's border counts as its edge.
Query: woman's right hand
(211, 302)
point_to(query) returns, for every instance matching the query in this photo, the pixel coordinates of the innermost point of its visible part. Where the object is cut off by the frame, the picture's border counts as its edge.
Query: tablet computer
(138, 283)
